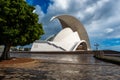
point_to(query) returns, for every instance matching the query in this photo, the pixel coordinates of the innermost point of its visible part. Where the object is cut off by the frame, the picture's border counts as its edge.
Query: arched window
(82, 46)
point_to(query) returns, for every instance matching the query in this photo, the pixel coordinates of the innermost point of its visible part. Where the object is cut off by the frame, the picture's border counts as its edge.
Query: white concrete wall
(44, 47)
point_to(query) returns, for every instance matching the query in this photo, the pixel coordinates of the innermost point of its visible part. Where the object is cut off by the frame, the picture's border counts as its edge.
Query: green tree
(18, 25)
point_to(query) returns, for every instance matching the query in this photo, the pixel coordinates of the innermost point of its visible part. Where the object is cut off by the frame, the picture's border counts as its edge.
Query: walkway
(64, 67)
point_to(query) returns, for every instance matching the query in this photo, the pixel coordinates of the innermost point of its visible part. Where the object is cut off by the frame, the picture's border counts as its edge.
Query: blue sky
(101, 18)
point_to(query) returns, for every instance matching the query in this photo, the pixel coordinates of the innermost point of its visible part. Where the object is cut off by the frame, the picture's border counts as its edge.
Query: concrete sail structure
(72, 37)
(75, 25)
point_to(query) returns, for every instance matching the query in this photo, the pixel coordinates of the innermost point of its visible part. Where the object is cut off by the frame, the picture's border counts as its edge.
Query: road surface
(64, 67)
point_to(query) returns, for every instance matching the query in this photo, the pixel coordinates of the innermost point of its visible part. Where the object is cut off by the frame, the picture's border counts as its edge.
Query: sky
(101, 19)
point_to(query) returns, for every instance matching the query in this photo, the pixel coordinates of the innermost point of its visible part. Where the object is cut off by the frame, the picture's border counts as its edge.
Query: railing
(99, 53)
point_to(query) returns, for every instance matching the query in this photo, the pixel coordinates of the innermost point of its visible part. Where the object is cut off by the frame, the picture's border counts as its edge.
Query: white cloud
(109, 30)
(90, 10)
(95, 6)
(61, 4)
(39, 12)
(101, 3)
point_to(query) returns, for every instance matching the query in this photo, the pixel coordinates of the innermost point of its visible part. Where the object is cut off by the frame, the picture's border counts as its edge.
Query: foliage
(18, 24)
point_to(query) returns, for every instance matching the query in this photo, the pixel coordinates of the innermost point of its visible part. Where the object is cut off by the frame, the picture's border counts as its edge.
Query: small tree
(18, 25)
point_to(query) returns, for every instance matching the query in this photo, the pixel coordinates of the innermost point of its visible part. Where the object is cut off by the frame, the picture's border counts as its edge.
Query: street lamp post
(96, 45)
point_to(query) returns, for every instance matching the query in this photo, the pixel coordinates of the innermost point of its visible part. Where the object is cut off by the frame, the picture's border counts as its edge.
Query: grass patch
(111, 59)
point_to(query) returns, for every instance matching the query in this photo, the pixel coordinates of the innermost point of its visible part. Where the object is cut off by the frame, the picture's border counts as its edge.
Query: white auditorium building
(72, 37)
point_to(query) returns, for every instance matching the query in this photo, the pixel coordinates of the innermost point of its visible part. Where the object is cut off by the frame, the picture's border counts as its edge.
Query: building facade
(72, 37)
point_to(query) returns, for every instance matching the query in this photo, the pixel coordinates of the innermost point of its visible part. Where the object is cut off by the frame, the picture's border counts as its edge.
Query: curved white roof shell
(75, 25)
(66, 39)
(64, 34)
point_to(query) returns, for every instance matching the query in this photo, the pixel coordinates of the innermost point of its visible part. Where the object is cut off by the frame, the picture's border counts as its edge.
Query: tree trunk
(5, 54)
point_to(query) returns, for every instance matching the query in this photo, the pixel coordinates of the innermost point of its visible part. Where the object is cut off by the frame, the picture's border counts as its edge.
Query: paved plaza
(73, 67)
